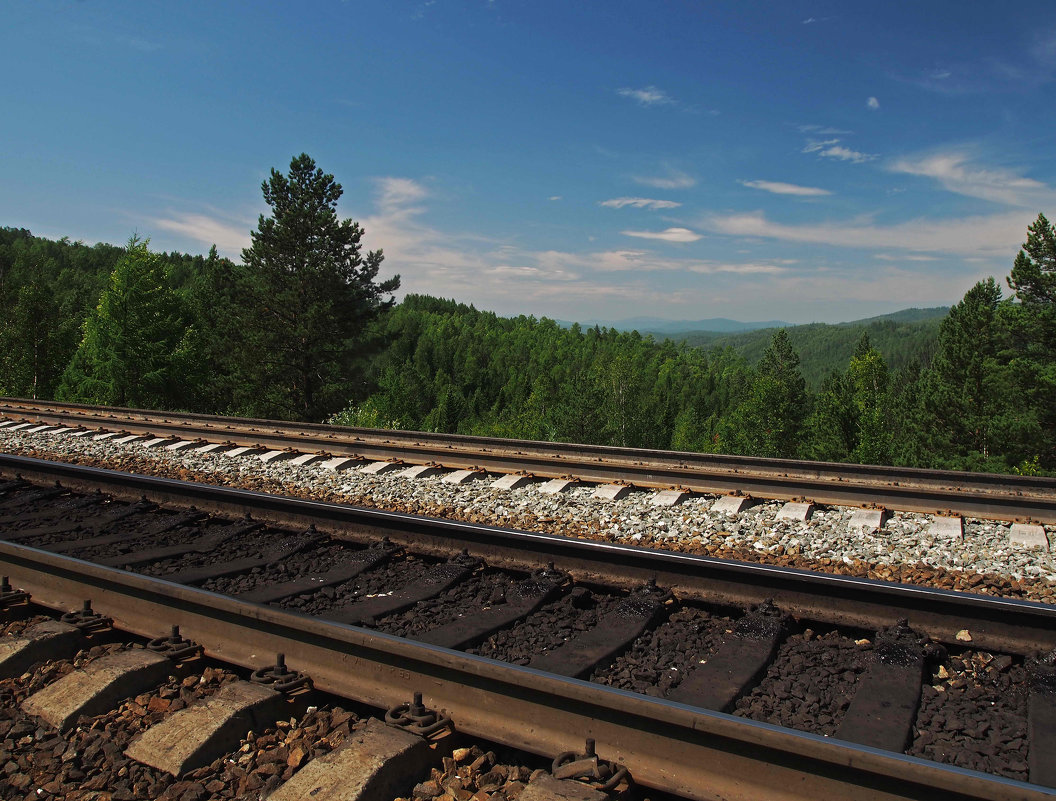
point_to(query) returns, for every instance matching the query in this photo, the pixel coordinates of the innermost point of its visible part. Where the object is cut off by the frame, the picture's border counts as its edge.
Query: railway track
(1001, 497)
(705, 679)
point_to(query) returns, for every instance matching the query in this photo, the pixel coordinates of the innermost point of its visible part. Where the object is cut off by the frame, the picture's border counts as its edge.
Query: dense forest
(302, 328)
(904, 338)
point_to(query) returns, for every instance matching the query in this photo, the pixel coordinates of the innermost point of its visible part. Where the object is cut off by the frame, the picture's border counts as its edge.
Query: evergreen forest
(304, 328)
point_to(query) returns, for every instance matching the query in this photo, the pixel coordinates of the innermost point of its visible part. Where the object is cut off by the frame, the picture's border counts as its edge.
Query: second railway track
(1021, 498)
(678, 666)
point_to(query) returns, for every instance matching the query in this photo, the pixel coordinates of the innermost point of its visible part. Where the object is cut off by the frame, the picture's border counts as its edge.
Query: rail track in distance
(1001, 497)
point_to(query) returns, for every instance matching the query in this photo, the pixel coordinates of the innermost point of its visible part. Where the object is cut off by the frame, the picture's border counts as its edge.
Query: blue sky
(580, 160)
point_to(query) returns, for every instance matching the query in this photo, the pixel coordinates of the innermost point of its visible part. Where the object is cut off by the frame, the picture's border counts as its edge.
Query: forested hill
(903, 338)
(127, 326)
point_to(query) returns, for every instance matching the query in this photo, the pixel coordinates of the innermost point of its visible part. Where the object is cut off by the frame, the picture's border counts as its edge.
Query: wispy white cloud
(639, 203)
(904, 257)
(956, 173)
(667, 235)
(987, 235)
(649, 96)
(872, 103)
(832, 149)
(674, 179)
(230, 237)
(555, 197)
(399, 192)
(779, 188)
(823, 130)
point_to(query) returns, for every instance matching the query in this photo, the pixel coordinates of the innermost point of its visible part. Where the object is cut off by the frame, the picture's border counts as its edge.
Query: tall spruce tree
(304, 299)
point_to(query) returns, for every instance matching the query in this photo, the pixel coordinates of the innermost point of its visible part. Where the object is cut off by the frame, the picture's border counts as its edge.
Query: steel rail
(910, 489)
(1001, 624)
(672, 747)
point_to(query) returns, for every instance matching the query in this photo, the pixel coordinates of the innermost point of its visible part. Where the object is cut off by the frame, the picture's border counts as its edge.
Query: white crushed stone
(827, 534)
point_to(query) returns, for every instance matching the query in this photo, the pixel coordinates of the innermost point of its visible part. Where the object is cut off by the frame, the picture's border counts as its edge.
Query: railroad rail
(1003, 497)
(676, 742)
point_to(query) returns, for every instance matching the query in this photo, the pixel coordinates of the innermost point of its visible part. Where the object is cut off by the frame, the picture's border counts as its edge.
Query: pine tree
(304, 300)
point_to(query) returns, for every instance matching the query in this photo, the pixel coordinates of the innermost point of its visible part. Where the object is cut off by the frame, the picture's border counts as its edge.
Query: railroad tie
(358, 562)
(97, 523)
(49, 639)
(159, 527)
(57, 510)
(527, 596)
(885, 703)
(737, 664)
(433, 582)
(95, 688)
(578, 656)
(373, 763)
(203, 544)
(197, 734)
(24, 500)
(1041, 720)
(284, 548)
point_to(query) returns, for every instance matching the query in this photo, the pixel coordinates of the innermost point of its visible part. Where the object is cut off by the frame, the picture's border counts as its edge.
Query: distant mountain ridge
(682, 329)
(903, 337)
(657, 325)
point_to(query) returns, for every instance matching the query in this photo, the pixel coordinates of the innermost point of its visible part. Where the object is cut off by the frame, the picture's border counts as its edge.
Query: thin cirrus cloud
(229, 237)
(832, 149)
(956, 173)
(780, 188)
(639, 203)
(648, 96)
(673, 180)
(996, 235)
(667, 235)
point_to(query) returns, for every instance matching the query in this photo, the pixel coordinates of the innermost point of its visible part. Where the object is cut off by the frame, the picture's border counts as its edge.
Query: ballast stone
(795, 511)
(98, 686)
(198, 734)
(1028, 535)
(373, 763)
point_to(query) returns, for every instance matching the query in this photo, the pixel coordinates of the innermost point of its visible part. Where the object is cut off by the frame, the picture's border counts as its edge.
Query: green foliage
(769, 420)
(132, 351)
(295, 317)
(902, 338)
